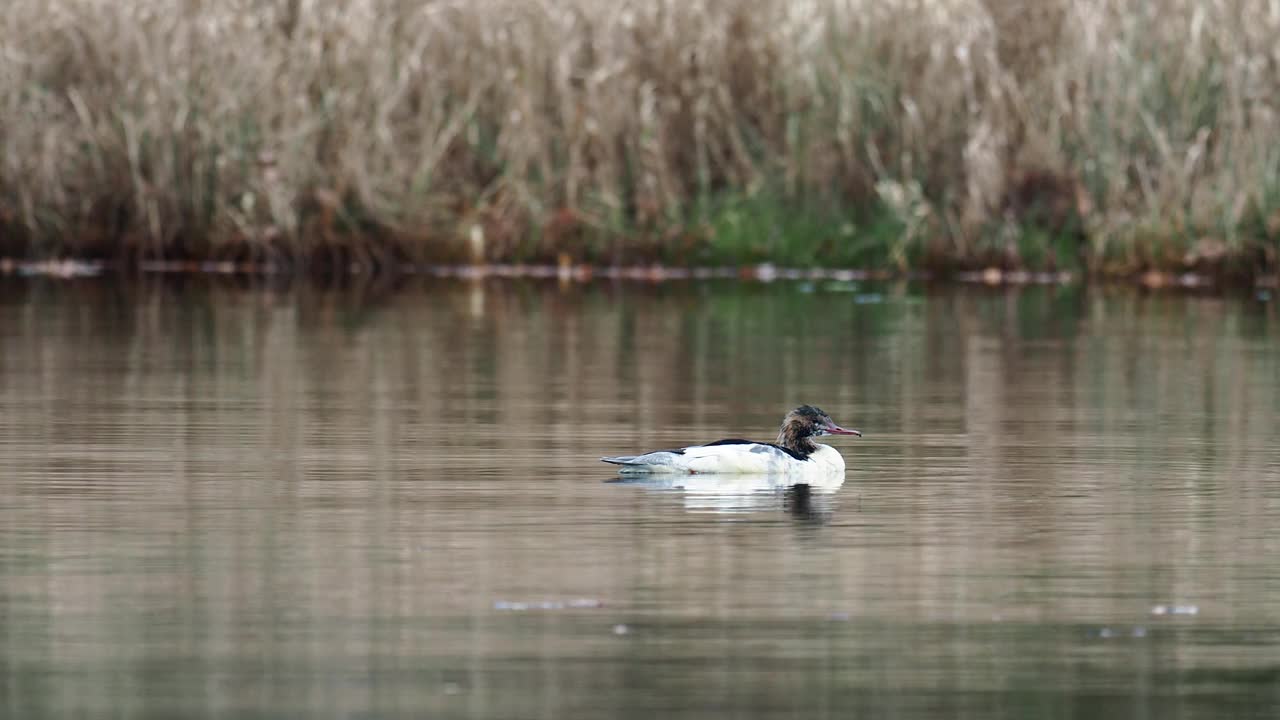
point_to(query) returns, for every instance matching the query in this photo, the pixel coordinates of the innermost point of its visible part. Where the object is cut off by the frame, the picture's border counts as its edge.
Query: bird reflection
(799, 502)
(740, 494)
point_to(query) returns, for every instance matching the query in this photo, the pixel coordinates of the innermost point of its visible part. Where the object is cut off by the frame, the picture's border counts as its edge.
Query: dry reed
(960, 131)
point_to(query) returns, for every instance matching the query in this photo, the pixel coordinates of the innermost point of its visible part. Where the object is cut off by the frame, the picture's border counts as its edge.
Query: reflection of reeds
(297, 477)
(887, 132)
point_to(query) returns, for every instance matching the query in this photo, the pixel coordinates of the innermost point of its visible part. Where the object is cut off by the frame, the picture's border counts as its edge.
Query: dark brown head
(803, 424)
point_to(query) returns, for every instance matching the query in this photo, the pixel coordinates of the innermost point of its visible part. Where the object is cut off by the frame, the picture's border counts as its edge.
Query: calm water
(219, 502)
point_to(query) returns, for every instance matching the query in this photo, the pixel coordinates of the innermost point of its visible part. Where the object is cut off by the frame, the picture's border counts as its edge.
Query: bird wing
(735, 458)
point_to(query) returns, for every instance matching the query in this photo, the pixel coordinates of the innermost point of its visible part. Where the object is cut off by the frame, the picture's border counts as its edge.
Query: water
(386, 503)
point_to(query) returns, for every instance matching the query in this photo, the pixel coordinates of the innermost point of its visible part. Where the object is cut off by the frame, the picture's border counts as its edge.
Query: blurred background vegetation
(1098, 136)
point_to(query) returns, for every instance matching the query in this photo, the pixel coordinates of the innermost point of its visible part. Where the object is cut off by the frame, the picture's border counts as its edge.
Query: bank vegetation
(1106, 136)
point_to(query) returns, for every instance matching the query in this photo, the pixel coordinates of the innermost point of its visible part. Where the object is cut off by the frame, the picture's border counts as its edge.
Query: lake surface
(386, 502)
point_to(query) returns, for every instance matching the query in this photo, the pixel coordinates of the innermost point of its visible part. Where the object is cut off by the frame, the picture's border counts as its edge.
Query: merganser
(793, 452)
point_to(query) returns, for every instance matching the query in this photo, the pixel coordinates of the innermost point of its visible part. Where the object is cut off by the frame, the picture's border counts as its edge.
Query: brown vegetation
(1116, 135)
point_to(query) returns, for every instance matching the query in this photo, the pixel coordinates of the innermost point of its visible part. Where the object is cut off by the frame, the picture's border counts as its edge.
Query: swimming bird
(794, 452)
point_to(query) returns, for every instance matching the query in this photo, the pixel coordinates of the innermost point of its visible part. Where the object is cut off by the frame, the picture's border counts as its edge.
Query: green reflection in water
(229, 502)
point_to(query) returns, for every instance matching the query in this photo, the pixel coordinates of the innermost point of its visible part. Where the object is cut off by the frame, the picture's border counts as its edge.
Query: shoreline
(69, 269)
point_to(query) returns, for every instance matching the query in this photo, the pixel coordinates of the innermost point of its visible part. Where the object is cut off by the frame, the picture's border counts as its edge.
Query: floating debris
(1175, 610)
(838, 617)
(621, 629)
(849, 275)
(575, 604)
(51, 268)
(1107, 633)
(997, 276)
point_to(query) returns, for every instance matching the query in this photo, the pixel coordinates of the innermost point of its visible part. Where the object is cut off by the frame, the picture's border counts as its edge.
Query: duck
(793, 453)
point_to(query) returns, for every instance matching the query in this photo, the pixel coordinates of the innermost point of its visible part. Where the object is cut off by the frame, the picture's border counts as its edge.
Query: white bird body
(739, 457)
(794, 455)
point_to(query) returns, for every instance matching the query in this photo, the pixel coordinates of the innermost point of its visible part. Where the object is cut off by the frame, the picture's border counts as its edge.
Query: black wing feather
(738, 441)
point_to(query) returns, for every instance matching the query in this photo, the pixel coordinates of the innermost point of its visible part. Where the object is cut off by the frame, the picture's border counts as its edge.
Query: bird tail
(621, 460)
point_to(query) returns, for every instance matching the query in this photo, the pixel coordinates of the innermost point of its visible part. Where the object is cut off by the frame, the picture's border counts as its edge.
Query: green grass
(767, 227)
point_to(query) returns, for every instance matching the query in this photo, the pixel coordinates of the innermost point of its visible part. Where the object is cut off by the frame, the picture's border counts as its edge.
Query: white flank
(736, 459)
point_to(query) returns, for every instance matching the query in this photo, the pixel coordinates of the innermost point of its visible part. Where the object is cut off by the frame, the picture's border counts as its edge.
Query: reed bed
(1101, 134)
